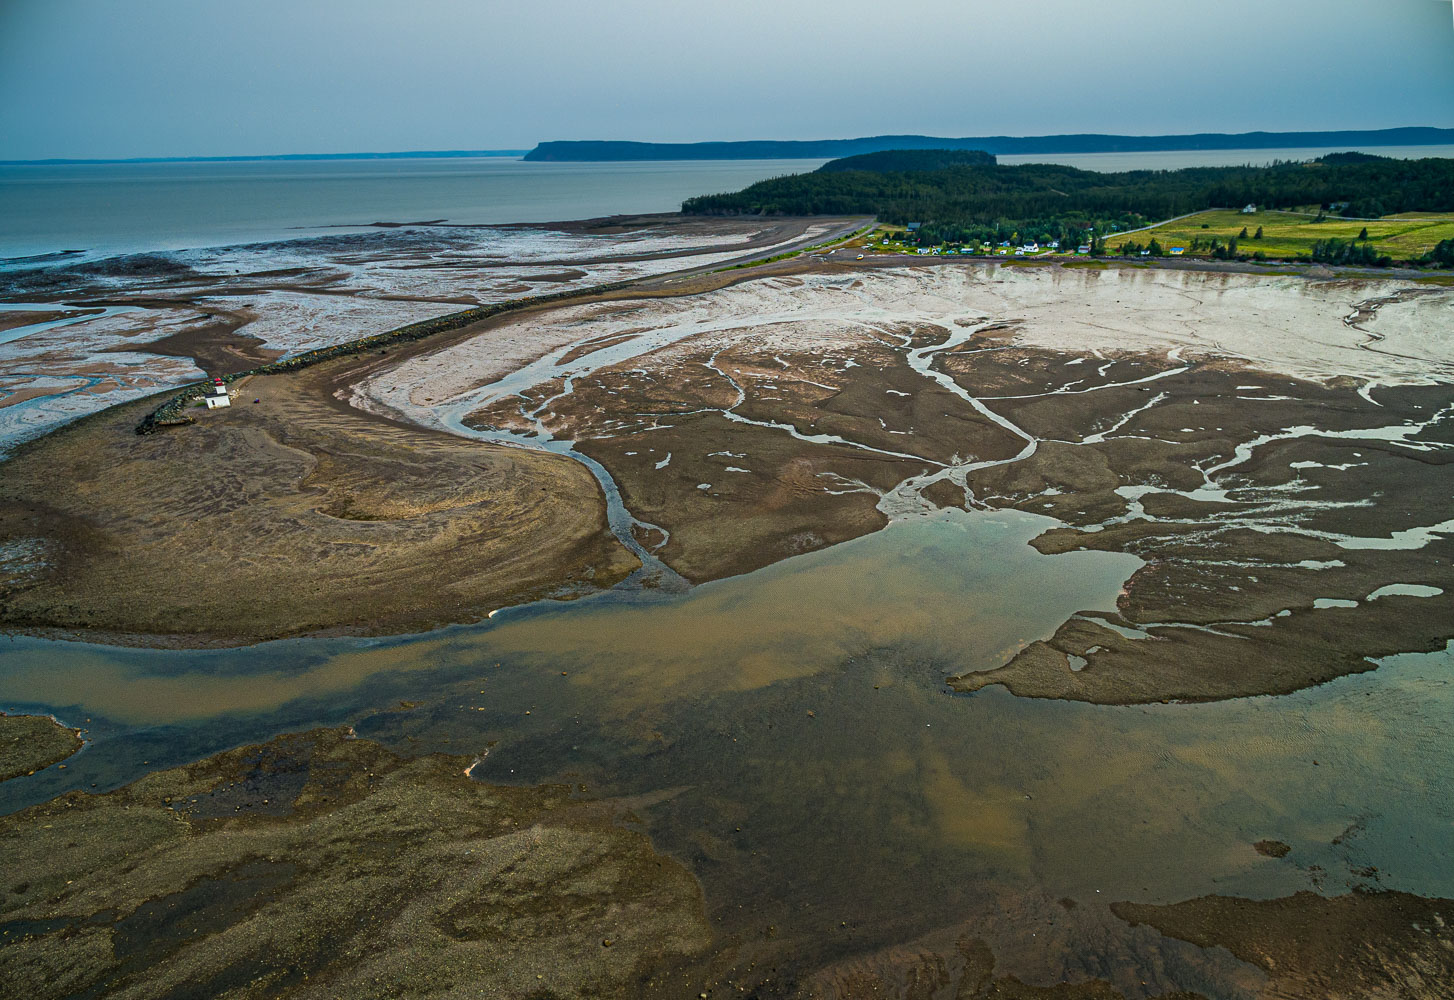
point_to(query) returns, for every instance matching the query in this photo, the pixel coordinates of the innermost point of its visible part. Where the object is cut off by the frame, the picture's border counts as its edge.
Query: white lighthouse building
(217, 395)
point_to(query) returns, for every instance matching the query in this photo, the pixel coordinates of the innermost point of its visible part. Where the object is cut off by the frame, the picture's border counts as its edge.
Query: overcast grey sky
(103, 78)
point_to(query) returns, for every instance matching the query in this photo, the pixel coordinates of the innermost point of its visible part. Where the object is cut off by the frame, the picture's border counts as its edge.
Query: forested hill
(910, 160)
(981, 194)
(1002, 145)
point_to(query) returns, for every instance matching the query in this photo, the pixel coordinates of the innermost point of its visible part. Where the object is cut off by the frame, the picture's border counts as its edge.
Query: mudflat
(318, 865)
(1273, 449)
(287, 516)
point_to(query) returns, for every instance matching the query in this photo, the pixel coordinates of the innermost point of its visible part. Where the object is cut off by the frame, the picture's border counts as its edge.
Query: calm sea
(111, 208)
(121, 207)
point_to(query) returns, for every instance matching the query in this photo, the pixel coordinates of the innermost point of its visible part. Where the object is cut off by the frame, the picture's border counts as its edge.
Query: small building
(217, 395)
(1082, 249)
(913, 227)
(1177, 251)
(1249, 209)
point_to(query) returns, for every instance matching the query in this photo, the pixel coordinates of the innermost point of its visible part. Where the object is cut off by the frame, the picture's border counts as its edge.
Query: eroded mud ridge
(1276, 449)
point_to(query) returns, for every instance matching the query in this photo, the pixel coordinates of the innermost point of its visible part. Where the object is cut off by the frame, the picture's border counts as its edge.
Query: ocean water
(110, 208)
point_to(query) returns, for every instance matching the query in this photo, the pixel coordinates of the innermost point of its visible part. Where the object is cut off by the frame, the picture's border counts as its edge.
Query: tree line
(964, 201)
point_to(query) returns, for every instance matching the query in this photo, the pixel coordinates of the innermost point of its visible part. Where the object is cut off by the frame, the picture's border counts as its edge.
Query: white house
(1249, 209)
(217, 395)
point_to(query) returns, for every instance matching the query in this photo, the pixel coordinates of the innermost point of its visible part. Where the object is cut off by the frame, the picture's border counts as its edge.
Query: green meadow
(1291, 234)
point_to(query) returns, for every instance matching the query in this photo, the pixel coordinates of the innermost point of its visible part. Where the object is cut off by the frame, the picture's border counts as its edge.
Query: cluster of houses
(1027, 250)
(1004, 249)
(1033, 248)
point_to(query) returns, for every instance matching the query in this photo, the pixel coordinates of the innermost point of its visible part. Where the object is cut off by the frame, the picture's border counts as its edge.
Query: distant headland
(1000, 145)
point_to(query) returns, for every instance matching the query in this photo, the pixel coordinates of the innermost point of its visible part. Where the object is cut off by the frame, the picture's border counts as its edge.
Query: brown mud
(288, 516)
(10, 320)
(319, 865)
(31, 742)
(1227, 605)
(214, 344)
(1360, 946)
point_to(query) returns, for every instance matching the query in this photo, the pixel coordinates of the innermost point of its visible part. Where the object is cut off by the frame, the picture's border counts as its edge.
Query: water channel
(810, 766)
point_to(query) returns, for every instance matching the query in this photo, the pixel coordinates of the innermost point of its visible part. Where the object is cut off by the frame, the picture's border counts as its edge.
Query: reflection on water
(824, 784)
(964, 589)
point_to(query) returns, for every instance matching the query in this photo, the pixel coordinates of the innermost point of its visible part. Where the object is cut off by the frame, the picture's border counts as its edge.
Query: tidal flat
(806, 630)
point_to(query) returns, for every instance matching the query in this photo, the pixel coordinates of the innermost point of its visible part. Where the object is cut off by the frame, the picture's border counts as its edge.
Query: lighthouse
(217, 395)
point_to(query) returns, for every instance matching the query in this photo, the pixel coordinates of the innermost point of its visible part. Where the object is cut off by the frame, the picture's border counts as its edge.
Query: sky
(133, 78)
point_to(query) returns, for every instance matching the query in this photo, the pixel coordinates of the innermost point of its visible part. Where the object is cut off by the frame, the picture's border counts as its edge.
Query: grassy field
(1288, 234)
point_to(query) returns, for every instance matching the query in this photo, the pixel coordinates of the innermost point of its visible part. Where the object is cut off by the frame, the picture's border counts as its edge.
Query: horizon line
(396, 155)
(463, 153)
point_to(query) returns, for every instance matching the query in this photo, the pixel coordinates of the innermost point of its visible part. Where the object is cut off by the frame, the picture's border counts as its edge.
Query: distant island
(1002, 145)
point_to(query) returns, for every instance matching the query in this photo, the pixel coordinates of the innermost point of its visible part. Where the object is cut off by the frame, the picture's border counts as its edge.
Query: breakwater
(172, 413)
